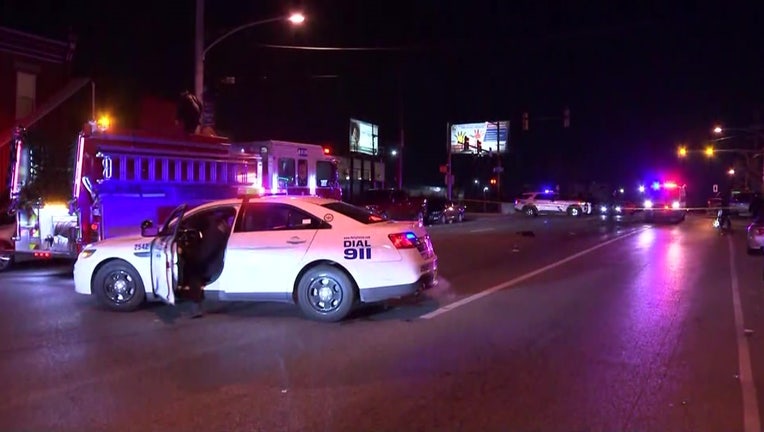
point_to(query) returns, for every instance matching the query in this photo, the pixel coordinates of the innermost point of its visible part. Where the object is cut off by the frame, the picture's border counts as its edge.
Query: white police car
(322, 254)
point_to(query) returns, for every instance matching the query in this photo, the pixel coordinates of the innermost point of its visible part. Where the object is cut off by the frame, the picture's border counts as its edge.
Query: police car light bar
(251, 191)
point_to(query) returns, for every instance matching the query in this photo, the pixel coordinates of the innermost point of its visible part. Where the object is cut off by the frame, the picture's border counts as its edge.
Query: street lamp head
(731, 171)
(296, 18)
(394, 152)
(718, 130)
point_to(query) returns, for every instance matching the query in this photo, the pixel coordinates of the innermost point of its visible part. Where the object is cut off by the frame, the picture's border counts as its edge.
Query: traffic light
(493, 181)
(566, 118)
(682, 151)
(526, 122)
(709, 151)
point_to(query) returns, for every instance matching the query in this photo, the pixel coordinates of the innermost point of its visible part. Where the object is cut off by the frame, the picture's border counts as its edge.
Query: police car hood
(122, 242)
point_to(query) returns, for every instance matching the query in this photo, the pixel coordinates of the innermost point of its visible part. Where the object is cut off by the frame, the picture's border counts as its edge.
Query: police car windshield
(356, 213)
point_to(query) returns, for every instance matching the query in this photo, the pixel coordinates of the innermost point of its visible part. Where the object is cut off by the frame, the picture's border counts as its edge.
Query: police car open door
(164, 257)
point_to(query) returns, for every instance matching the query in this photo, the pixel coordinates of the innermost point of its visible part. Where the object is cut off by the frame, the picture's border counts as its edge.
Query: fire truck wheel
(325, 293)
(118, 286)
(6, 261)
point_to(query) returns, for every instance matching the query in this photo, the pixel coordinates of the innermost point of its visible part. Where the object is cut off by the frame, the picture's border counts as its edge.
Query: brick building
(34, 80)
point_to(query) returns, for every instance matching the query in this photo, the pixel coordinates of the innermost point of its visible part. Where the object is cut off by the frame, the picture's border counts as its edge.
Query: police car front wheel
(325, 293)
(118, 286)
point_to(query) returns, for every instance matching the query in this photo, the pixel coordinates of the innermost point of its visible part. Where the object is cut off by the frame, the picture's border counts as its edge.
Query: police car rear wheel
(118, 286)
(325, 293)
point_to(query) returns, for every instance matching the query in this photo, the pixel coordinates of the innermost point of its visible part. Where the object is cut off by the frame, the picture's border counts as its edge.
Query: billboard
(363, 137)
(473, 138)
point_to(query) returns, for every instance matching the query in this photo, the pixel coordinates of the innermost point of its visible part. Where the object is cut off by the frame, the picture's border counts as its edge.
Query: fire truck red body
(122, 179)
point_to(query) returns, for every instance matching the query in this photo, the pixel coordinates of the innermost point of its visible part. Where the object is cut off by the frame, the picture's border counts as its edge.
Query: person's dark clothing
(755, 207)
(206, 258)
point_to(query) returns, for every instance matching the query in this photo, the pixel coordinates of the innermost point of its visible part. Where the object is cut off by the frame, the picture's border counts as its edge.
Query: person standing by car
(755, 207)
(204, 259)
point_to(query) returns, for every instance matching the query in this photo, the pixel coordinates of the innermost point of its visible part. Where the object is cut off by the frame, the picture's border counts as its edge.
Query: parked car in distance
(441, 210)
(394, 204)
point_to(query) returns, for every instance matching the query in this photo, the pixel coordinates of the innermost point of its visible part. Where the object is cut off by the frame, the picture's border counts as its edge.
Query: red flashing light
(42, 255)
(94, 227)
(327, 150)
(670, 185)
(403, 240)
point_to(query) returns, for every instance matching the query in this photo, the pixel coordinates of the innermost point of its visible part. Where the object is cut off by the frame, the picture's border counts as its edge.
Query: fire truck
(665, 201)
(123, 178)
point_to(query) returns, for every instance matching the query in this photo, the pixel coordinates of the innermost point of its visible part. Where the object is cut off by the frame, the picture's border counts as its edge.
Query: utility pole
(757, 130)
(498, 169)
(199, 52)
(400, 113)
(449, 176)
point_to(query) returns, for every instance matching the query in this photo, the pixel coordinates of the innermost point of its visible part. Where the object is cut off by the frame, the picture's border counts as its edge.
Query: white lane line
(751, 421)
(482, 230)
(451, 306)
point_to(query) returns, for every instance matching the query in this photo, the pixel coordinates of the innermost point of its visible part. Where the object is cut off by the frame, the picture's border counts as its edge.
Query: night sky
(638, 79)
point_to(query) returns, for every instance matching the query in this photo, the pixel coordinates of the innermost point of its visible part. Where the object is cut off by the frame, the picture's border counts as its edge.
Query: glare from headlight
(675, 204)
(648, 204)
(603, 209)
(618, 209)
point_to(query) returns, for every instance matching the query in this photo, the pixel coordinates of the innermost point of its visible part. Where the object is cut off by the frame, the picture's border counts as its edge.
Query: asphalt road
(546, 324)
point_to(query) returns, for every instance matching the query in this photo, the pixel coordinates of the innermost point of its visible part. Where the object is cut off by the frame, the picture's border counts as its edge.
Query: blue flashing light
(410, 236)
(656, 185)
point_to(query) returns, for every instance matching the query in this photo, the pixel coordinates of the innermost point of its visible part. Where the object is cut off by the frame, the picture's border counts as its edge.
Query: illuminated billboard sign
(363, 137)
(473, 138)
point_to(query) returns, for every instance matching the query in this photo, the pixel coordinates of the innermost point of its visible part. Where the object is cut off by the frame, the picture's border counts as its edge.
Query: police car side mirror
(148, 229)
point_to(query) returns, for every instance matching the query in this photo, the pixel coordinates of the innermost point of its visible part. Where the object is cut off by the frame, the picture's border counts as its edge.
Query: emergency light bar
(250, 191)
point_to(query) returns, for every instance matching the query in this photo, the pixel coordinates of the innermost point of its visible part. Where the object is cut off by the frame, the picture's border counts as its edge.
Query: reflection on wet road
(636, 334)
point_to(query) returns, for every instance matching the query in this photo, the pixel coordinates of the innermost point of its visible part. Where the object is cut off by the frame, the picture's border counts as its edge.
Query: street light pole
(200, 51)
(756, 131)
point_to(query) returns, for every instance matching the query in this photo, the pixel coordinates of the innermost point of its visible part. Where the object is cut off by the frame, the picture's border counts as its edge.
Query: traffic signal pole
(449, 176)
(499, 169)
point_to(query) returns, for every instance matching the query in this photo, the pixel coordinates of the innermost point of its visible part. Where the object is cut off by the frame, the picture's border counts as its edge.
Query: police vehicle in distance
(534, 203)
(322, 254)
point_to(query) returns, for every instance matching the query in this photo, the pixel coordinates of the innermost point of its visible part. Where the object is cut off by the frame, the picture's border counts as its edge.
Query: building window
(287, 171)
(26, 92)
(302, 172)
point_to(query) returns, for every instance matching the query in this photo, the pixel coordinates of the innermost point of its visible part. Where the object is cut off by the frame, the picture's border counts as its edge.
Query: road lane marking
(451, 306)
(751, 421)
(482, 230)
